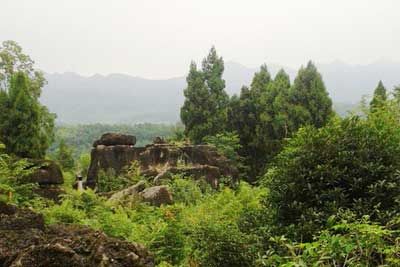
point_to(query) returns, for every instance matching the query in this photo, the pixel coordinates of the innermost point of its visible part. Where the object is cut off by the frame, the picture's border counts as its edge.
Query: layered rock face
(26, 242)
(160, 159)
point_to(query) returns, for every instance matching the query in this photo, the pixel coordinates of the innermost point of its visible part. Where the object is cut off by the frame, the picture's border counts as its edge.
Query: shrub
(352, 164)
(359, 243)
(221, 244)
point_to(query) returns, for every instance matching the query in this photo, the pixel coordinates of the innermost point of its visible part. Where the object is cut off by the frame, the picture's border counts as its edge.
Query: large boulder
(114, 139)
(46, 172)
(35, 245)
(157, 195)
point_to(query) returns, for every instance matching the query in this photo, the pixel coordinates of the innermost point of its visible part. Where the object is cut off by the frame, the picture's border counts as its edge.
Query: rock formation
(48, 175)
(155, 195)
(159, 159)
(26, 242)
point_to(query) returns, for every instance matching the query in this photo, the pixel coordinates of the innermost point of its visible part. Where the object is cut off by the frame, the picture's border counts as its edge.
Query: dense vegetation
(81, 137)
(326, 190)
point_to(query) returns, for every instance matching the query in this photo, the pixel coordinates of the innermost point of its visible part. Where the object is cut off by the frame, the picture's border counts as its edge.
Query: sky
(158, 38)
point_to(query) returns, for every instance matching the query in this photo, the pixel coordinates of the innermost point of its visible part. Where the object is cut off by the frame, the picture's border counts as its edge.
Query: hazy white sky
(158, 39)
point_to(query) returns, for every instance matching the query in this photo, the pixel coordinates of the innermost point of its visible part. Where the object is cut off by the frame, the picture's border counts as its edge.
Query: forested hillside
(271, 176)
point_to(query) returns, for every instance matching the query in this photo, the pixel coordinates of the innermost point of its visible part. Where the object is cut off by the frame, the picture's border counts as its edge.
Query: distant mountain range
(118, 98)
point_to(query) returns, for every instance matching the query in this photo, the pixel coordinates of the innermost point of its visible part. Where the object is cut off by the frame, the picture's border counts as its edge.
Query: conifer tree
(26, 127)
(380, 96)
(194, 112)
(311, 102)
(204, 112)
(213, 69)
(247, 116)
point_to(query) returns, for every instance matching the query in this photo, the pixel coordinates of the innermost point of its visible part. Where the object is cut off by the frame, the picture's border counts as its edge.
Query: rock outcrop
(114, 139)
(155, 195)
(26, 242)
(48, 175)
(47, 172)
(160, 157)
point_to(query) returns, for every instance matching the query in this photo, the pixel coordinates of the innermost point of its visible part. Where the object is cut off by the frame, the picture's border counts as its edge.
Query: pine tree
(310, 100)
(213, 69)
(380, 96)
(194, 112)
(204, 112)
(26, 127)
(247, 117)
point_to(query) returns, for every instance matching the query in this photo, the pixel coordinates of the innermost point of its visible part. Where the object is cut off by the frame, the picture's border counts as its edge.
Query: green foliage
(64, 156)
(204, 110)
(171, 232)
(221, 244)
(109, 181)
(261, 118)
(351, 163)
(83, 164)
(359, 243)
(227, 144)
(81, 137)
(13, 188)
(26, 127)
(13, 60)
(379, 98)
(310, 100)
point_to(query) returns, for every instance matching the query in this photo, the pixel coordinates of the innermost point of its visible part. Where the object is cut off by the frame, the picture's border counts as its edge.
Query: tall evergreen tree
(26, 127)
(213, 69)
(380, 96)
(310, 99)
(247, 116)
(204, 112)
(194, 112)
(281, 106)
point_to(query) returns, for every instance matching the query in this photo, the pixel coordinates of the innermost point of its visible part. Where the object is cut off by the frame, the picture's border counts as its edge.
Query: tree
(380, 96)
(26, 127)
(204, 112)
(12, 60)
(64, 156)
(260, 117)
(396, 93)
(280, 106)
(245, 116)
(310, 100)
(194, 112)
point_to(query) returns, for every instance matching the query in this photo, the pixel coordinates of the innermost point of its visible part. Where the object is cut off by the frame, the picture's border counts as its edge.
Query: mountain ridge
(122, 98)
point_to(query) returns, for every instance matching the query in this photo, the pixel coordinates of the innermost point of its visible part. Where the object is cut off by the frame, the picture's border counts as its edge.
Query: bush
(359, 243)
(221, 244)
(352, 164)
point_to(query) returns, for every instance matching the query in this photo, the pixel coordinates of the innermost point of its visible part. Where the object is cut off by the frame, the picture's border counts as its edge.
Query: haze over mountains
(118, 98)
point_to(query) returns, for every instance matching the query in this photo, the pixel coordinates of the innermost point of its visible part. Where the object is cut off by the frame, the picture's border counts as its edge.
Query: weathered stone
(50, 192)
(211, 174)
(47, 172)
(12, 218)
(157, 195)
(133, 190)
(114, 139)
(197, 160)
(60, 245)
